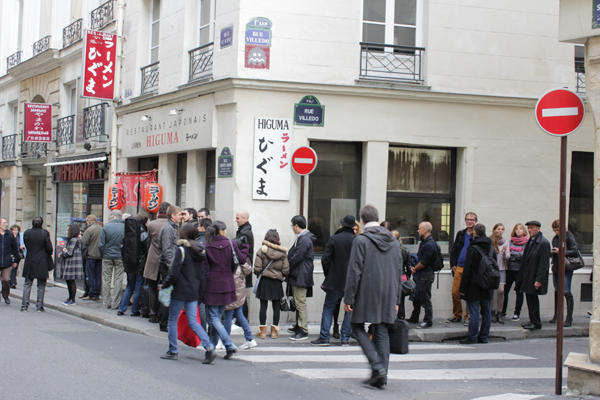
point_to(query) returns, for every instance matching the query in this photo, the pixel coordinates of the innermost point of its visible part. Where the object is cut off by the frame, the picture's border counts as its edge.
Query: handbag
(185, 332)
(283, 304)
(236, 262)
(573, 263)
(255, 288)
(164, 296)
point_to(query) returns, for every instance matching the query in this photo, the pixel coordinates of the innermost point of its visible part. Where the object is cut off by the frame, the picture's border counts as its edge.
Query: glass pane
(581, 200)
(412, 170)
(374, 10)
(404, 36)
(154, 55)
(155, 10)
(204, 35)
(373, 33)
(204, 12)
(405, 12)
(334, 188)
(155, 33)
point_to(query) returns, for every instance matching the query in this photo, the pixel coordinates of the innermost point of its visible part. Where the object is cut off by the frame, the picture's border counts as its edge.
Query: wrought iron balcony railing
(34, 150)
(391, 62)
(9, 147)
(201, 62)
(150, 78)
(65, 131)
(94, 122)
(72, 33)
(41, 45)
(103, 15)
(580, 82)
(13, 60)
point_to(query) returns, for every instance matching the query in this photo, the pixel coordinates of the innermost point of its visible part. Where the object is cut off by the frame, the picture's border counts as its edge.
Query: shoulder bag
(236, 262)
(573, 263)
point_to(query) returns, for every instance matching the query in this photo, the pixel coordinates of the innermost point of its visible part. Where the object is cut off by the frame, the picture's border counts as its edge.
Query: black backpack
(439, 259)
(488, 274)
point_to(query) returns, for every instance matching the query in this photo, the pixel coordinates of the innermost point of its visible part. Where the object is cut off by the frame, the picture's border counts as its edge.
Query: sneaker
(169, 356)
(454, 319)
(67, 302)
(230, 353)
(23, 308)
(320, 342)
(515, 317)
(41, 309)
(120, 313)
(301, 335)
(209, 357)
(220, 346)
(425, 325)
(293, 329)
(248, 344)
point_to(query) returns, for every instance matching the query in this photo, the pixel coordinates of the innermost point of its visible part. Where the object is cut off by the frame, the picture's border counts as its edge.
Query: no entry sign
(559, 112)
(304, 160)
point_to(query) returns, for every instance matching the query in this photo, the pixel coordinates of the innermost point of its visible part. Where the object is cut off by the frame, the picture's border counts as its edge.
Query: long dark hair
(213, 230)
(73, 231)
(188, 232)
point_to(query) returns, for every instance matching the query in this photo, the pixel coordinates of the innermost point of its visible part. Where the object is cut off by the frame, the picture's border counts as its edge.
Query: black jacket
(335, 259)
(427, 256)
(300, 257)
(38, 260)
(534, 266)
(135, 245)
(459, 242)
(469, 288)
(188, 273)
(243, 236)
(9, 250)
(571, 251)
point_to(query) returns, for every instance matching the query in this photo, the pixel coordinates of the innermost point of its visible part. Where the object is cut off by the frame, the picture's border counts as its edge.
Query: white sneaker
(220, 346)
(248, 344)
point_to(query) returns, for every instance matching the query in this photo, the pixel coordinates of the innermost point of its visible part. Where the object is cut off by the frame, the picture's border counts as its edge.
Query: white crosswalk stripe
(357, 358)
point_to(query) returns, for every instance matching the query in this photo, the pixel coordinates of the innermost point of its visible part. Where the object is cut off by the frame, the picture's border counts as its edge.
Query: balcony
(581, 82)
(13, 60)
(150, 78)
(8, 147)
(391, 62)
(201, 62)
(41, 45)
(103, 15)
(65, 132)
(94, 126)
(72, 33)
(34, 150)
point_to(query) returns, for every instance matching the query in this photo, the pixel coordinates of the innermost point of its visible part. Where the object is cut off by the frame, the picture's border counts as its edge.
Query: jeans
(191, 309)
(134, 286)
(241, 319)
(423, 299)
(568, 278)
(218, 330)
(331, 299)
(41, 290)
(477, 307)
(94, 276)
(376, 351)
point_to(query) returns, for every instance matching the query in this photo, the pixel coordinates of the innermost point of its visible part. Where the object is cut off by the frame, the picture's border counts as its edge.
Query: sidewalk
(440, 332)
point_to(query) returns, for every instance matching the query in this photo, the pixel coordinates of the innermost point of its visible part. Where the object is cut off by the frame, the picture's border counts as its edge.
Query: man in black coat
(423, 276)
(533, 274)
(244, 236)
(9, 257)
(335, 267)
(478, 299)
(135, 251)
(37, 262)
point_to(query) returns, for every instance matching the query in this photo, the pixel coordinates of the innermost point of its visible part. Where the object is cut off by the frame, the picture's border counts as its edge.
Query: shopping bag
(184, 332)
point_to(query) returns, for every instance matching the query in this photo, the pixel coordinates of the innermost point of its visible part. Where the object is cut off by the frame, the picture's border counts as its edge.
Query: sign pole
(561, 265)
(301, 194)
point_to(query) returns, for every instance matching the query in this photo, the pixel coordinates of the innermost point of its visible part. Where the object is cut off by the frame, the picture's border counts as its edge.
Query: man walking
(38, 262)
(373, 291)
(458, 255)
(533, 274)
(244, 236)
(110, 245)
(93, 265)
(167, 244)
(423, 276)
(335, 267)
(9, 257)
(478, 299)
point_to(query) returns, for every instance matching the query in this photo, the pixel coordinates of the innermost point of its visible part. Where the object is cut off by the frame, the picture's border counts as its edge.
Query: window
(181, 180)
(390, 22)
(334, 188)
(211, 173)
(14, 115)
(420, 187)
(580, 68)
(206, 22)
(154, 30)
(581, 200)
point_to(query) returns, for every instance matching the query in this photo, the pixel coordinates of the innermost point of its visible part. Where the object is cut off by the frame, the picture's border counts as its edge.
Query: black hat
(534, 222)
(348, 221)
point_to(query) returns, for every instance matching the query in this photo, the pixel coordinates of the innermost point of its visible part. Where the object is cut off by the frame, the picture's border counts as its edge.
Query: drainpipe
(117, 94)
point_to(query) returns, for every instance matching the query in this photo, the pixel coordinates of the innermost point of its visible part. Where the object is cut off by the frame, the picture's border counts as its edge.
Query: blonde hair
(494, 238)
(514, 231)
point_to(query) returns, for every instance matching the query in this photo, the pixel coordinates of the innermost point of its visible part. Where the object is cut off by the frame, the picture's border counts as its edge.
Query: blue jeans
(331, 299)
(94, 276)
(218, 330)
(134, 285)
(191, 310)
(476, 333)
(239, 314)
(568, 278)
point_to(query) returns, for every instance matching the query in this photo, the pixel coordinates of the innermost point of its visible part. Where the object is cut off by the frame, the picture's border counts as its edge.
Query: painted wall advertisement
(99, 59)
(272, 156)
(309, 112)
(258, 43)
(38, 122)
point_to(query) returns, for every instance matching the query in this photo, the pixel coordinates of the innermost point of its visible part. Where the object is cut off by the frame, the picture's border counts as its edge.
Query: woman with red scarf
(515, 249)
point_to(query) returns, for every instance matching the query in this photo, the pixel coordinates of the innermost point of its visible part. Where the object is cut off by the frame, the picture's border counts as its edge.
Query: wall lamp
(176, 111)
(146, 117)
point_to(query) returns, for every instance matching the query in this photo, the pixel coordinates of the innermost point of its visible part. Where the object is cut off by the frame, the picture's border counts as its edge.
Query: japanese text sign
(99, 65)
(272, 158)
(38, 122)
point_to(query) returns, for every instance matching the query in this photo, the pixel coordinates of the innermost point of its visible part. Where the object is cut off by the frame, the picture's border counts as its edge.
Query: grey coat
(154, 227)
(111, 240)
(374, 279)
(167, 243)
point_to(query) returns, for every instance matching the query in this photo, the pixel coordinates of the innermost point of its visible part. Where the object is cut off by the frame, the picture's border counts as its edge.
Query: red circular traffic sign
(304, 160)
(559, 112)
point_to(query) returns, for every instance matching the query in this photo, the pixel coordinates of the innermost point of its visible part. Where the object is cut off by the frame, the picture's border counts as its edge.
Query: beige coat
(240, 286)
(151, 268)
(279, 268)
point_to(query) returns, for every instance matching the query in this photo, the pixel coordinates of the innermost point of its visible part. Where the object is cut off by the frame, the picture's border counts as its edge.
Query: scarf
(520, 240)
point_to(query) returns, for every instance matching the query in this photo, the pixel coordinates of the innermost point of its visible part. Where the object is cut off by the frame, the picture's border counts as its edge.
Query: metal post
(301, 194)
(561, 265)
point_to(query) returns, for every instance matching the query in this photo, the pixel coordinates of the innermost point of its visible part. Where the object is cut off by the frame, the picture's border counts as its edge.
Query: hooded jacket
(468, 284)
(374, 279)
(187, 274)
(300, 258)
(335, 259)
(268, 252)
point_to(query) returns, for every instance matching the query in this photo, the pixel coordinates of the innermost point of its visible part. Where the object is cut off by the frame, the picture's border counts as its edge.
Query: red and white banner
(99, 65)
(38, 122)
(133, 185)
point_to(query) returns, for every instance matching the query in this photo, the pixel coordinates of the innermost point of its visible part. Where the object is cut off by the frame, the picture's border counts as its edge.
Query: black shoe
(466, 341)
(169, 356)
(230, 354)
(23, 308)
(120, 313)
(41, 309)
(482, 341)
(164, 328)
(293, 329)
(412, 320)
(7, 300)
(154, 319)
(319, 342)
(13, 286)
(136, 314)
(345, 343)
(299, 336)
(531, 327)
(145, 315)
(377, 380)
(336, 331)
(424, 325)
(568, 324)
(209, 357)
(553, 320)
(454, 319)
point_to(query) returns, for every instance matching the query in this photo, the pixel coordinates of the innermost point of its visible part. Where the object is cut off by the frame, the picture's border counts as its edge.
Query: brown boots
(262, 331)
(274, 331)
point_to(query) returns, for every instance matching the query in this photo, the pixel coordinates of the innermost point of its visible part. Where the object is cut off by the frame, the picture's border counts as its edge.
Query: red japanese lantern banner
(99, 59)
(134, 183)
(152, 197)
(37, 122)
(116, 200)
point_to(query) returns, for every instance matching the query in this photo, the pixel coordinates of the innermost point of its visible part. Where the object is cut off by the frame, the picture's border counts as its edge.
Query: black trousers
(533, 305)
(423, 299)
(156, 309)
(511, 277)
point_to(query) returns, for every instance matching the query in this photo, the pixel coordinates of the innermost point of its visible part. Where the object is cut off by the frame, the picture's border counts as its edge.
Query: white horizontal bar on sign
(510, 396)
(348, 358)
(463, 374)
(345, 349)
(559, 111)
(299, 160)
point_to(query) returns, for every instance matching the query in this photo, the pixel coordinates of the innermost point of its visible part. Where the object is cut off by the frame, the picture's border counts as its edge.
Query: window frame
(152, 24)
(390, 23)
(210, 24)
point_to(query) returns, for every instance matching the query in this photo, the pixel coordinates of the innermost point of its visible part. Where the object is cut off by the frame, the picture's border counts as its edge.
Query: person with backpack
(475, 285)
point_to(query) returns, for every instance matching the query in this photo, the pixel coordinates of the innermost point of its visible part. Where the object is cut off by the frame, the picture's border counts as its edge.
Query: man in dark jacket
(533, 274)
(9, 257)
(458, 256)
(38, 262)
(478, 299)
(300, 257)
(373, 291)
(93, 265)
(423, 276)
(135, 251)
(244, 236)
(110, 246)
(335, 267)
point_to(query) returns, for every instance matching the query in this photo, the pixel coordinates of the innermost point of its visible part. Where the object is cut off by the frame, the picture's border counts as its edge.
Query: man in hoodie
(335, 266)
(300, 258)
(478, 299)
(110, 246)
(373, 291)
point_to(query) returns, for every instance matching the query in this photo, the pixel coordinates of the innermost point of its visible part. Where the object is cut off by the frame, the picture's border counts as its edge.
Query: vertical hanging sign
(38, 122)
(258, 43)
(596, 14)
(99, 59)
(272, 155)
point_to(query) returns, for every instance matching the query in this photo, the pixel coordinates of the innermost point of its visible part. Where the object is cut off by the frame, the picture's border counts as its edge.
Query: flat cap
(348, 221)
(534, 222)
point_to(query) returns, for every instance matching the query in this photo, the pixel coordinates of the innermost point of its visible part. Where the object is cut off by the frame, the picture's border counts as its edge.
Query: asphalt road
(52, 355)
